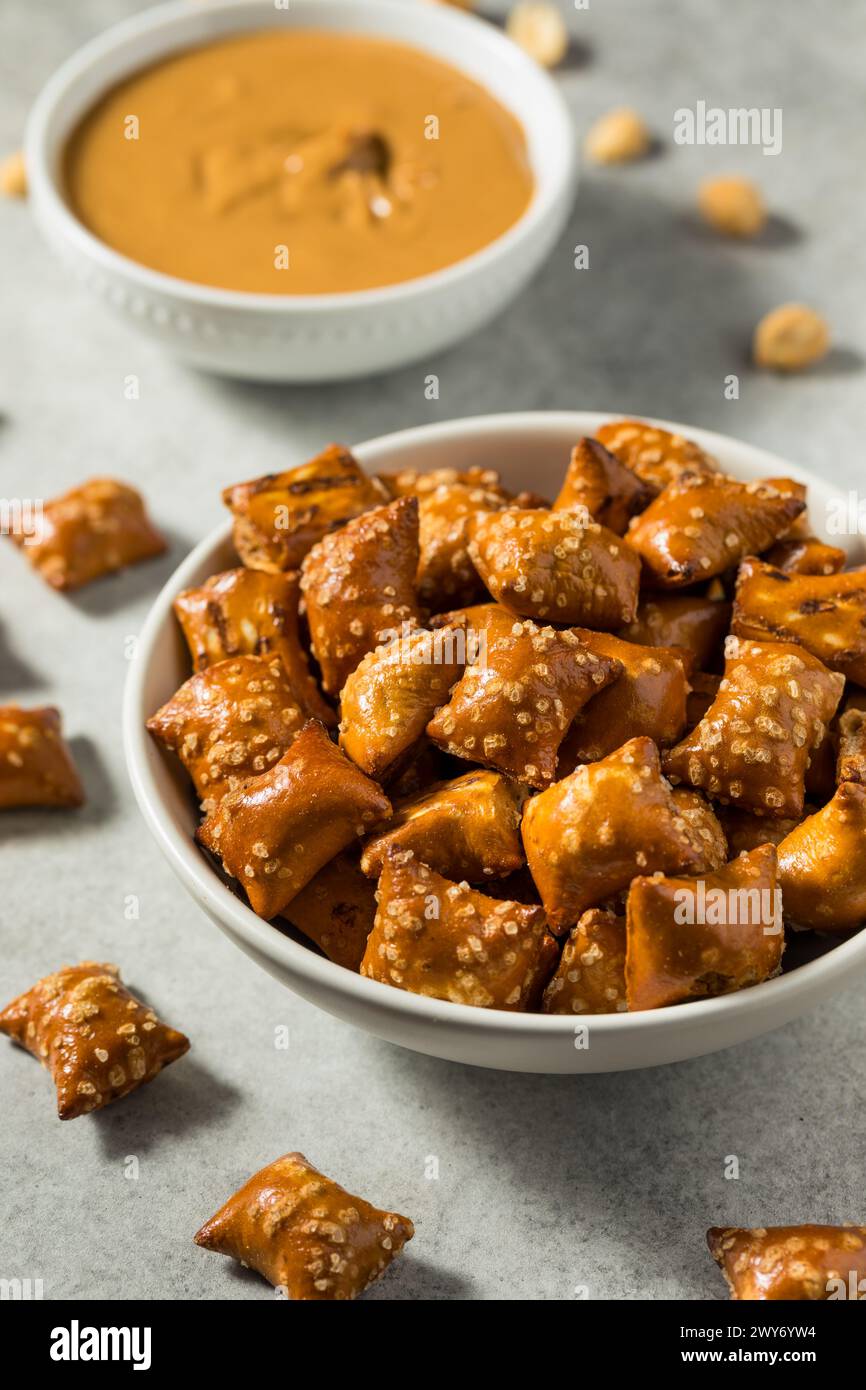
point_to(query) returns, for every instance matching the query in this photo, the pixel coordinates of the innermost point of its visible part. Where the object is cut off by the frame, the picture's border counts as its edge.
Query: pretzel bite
(752, 746)
(851, 762)
(590, 977)
(247, 613)
(555, 565)
(705, 524)
(825, 613)
(806, 555)
(92, 531)
(336, 910)
(691, 621)
(589, 835)
(511, 711)
(448, 941)
(792, 1263)
(36, 768)
(276, 833)
(822, 865)
(598, 482)
(703, 691)
(479, 621)
(389, 699)
(465, 829)
(305, 1234)
(655, 455)
(229, 723)
(359, 584)
(744, 830)
(278, 518)
(95, 1038)
(704, 827)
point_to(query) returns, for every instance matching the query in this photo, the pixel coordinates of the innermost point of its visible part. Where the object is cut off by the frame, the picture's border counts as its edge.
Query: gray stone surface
(545, 1184)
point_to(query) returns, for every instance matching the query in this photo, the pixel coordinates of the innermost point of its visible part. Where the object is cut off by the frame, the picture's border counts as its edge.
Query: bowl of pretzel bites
(532, 741)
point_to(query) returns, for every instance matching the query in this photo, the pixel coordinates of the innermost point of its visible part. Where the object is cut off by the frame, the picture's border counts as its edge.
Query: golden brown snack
(359, 583)
(705, 523)
(280, 516)
(690, 938)
(590, 977)
(465, 829)
(390, 698)
(793, 1263)
(589, 835)
(95, 1038)
(229, 723)
(822, 865)
(705, 828)
(655, 455)
(481, 622)
(275, 835)
(692, 621)
(825, 613)
(597, 481)
(703, 691)
(304, 1233)
(555, 565)
(851, 762)
(247, 613)
(92, 531)
(447, 941)
(511, 711)
(744, 830)
(806, 555)
(336, 910)
(36, 768)
(752, 746)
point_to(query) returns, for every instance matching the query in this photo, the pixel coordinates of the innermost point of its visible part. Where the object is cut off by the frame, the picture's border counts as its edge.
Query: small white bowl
(529, 450)
(309, 337)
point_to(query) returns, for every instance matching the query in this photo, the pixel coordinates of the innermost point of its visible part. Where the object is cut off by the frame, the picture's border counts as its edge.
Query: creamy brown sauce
(298, 163)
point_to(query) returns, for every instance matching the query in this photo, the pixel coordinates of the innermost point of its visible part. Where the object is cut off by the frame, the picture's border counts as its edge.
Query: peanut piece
(618, 137)
(790, 338)
(539, 29)
(732, 205)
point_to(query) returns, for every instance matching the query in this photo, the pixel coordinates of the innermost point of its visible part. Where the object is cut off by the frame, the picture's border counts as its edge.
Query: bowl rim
(46, 192)
(266, 941)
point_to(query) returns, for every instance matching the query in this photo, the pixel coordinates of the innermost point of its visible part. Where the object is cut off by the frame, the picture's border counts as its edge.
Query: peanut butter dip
(298, 163)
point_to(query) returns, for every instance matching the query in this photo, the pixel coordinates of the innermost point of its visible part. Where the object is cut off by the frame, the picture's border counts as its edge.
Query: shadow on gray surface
(16, 674)
(182, 1099)
(128, 586)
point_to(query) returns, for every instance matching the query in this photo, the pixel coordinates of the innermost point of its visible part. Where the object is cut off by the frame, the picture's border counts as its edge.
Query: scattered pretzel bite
(704, 827)
(826, 613)
(704, 524)
(305, 1234)
(655, 455)
(806, 555)
(448, 941)
(793, 1263)
(248, 613)
(36, 768)
(752, 746)
(692, 621)
(555, 565)
(390, 698)
(851, 762)
(512, 710)
(229, 723)
(279, 517)
(336, 910)
(466, 829)
(359, 584)
(610, 492)
(92, 531)
(275, 834)
(589, 835)
(95, 1038)
(744, 830)
(822, 865)
(590, 977)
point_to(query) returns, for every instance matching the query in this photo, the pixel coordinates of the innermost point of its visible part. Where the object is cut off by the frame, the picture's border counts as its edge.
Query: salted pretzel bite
(305, 1234)
(589, 835)
(277, 518)
(851, 761)
(704, 827)
(336, 910)
(98, 1041)
(598, 482)
(590, 977)
(744, 830)
(447, 941)
(791, 1263)
(703, 691)
(92, 531)
(467, 828)
(825, 613)
(752, 746)
(359, 584)
(229, 723)
(276, 833)
(481, 622)
(36, 767)
(511, 711)
(822, 865)
(693, 622)
(655, 455)
(245, 612)
(806, 555)
(689, 938)
(705, 524)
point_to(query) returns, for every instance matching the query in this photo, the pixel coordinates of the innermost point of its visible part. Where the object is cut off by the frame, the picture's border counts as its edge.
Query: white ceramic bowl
(530, 450)
(309, 337)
